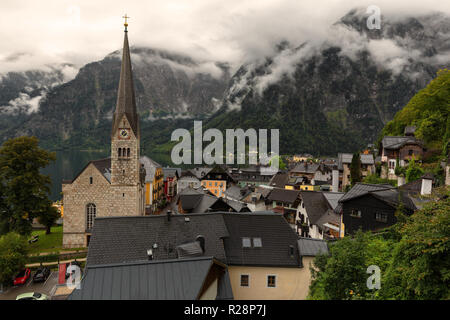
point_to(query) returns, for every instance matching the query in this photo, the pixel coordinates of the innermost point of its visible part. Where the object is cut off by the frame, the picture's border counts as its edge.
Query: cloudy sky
(37, 33)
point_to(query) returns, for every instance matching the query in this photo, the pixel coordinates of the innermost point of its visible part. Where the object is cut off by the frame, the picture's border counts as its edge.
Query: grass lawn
(47, 242)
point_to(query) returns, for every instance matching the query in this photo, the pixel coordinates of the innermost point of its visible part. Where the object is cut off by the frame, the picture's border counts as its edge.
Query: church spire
(126, 102)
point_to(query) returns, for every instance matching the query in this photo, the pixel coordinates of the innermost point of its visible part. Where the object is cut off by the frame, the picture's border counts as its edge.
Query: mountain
(337, 96)
(78, 113)
(328, 95)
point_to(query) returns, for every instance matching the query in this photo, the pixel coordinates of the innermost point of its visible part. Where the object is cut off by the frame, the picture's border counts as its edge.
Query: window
(128, 152)
(246, 243)
(91, 211)
(244, 280)
(381, 217)
(257, 243)
(271, 281)
(356, 213)
(392, 164)
(410, 152)
(119, 152)
(91, 180)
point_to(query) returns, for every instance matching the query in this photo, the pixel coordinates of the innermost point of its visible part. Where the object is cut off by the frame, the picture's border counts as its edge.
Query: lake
(70, 162)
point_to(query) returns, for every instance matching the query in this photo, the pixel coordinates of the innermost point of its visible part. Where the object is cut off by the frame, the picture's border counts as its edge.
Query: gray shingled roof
(171, 172)
(283, 195)
(395, 142)
(312, 247)
(279, 180)
(333, 198)
(149, 280)
(367, 159)
(276, 237)
(150, 168)
(347, 158)
(127, 239)
(305, 167)
(360, 189)
(315, 205)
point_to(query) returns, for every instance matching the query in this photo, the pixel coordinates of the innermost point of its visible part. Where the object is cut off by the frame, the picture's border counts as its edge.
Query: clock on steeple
(124, 133)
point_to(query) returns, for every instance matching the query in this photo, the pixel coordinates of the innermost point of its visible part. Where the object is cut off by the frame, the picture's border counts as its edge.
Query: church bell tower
(125, 134)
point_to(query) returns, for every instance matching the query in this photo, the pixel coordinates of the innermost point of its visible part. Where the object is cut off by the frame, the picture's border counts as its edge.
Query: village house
(251, 176)
(401, 150)
(154, 185)
(317, 217)
(371, 207)
(243, 256)
(187, 180)
(257, 200)
(285, 202)
(343, 166)
(216, 180)
(198, 201)
(170, 180)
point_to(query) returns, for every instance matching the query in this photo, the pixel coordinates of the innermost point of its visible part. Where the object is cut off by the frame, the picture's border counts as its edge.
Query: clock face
(124, 133)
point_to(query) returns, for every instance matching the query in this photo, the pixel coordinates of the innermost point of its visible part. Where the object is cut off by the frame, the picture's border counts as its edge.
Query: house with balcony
(401, 150)
(285, 202)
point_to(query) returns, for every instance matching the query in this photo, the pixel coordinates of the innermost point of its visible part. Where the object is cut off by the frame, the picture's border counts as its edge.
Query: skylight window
(246, 243)
(257, 243)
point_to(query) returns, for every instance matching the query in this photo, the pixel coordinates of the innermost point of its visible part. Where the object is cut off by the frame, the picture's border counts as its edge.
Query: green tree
(25, 190)
(281, 164)
(13, 254)
(420, 267)
(414, 171)
(49, 218)
(342, 274)
(355, 169)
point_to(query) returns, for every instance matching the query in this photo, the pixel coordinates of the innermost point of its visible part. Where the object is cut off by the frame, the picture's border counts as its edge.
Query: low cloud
(24, 103)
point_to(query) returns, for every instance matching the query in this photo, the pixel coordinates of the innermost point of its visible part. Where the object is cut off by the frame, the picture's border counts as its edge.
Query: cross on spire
(126, 21)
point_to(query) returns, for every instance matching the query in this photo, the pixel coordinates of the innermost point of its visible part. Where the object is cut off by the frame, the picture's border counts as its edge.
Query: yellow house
(216, 187)
(266, 260)
(154, 183)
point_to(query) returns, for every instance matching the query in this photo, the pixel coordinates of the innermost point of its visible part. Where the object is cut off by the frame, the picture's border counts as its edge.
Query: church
(112, 186)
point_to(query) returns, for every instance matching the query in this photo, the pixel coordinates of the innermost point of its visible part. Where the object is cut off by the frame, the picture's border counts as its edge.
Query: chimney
(335, 177)
(427, 184)
(150, 254)
(201, 240)
(169, 215)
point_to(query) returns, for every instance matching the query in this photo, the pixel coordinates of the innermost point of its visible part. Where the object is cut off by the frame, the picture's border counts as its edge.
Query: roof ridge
(142, 262)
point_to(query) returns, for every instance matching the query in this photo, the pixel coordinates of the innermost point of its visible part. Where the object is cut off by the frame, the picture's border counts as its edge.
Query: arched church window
(119, 152)
(91, 211)
(128, 152)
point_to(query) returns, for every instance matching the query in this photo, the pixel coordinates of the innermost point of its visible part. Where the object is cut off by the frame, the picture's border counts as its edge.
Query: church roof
(126, 102)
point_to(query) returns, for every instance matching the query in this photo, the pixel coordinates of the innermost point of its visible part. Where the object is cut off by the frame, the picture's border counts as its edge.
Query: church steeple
(126, 102)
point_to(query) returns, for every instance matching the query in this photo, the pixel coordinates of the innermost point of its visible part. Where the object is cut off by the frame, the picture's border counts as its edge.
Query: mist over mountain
(337, 95)
(326, 95)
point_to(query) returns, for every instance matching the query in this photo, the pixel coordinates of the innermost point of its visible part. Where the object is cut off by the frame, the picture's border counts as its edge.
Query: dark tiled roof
(283, 195)
(312, 247)
(149, 280)
(391, 197)
(360, 189)
(315, 205)
(276, 237)
(305, 167)
(171, 172)
(279, 180)
(127, 239)
(200, 172)
(395, 142)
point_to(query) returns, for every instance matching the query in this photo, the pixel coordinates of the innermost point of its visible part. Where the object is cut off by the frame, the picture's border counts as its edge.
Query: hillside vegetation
(429, 111)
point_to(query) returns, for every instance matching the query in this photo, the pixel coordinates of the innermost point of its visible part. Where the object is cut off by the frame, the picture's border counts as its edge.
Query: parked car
(32, 296)
(41, 274)
(22, 277)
